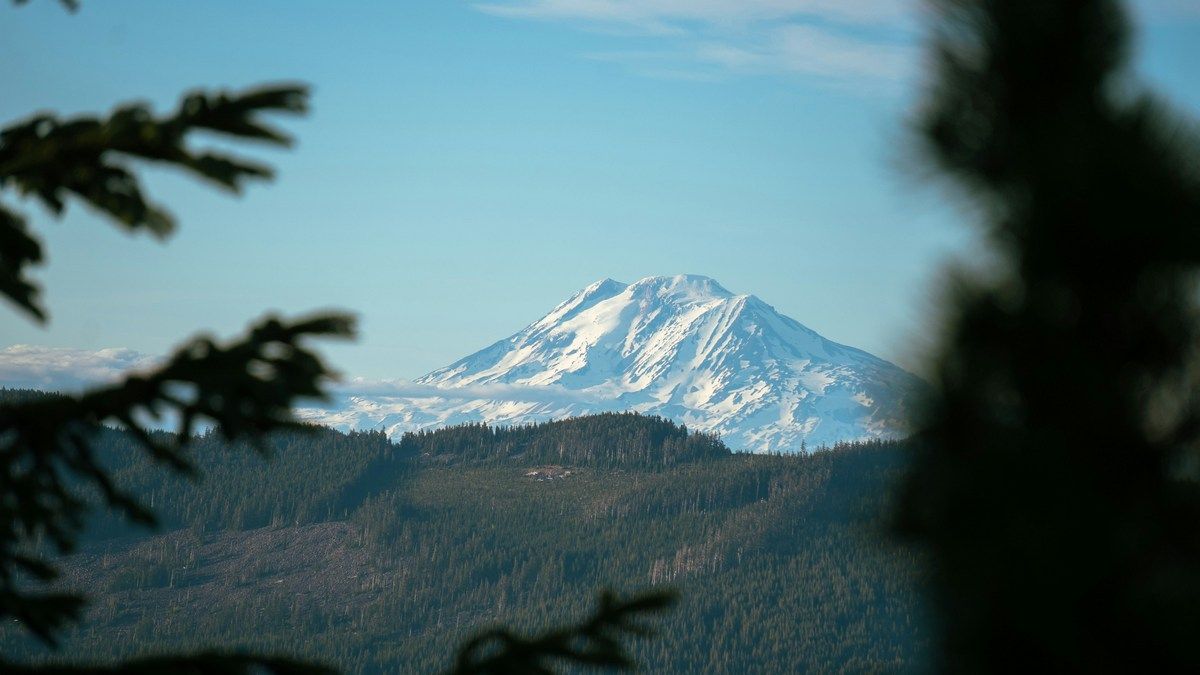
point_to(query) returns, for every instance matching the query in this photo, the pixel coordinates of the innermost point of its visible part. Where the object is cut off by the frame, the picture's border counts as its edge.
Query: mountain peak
(682, 347)
(682, 287)
(601, 285)
(595, 292)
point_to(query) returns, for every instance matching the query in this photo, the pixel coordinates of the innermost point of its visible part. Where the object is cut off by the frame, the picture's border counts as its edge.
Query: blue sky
(467, 166)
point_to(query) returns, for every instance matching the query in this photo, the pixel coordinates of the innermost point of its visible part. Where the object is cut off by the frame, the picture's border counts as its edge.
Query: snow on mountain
(681, 347)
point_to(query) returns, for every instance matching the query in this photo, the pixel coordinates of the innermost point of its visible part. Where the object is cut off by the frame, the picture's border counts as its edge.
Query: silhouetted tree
(1055, 481)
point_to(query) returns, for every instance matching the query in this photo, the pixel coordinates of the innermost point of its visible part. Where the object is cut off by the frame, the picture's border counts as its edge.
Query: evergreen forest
(376, 556)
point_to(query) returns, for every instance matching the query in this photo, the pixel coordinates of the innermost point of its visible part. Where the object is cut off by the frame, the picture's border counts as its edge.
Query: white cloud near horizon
(66, 370)
(832, 40)
(547, 393)
(69, 370)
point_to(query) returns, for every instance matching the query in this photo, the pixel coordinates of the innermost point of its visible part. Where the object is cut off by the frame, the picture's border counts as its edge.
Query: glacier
(682, 347)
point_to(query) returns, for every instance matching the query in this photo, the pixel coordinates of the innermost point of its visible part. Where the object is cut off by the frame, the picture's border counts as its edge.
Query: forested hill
(607, 440)
(381, 557)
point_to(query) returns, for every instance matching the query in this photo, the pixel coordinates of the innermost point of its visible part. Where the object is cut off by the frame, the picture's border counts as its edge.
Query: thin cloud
(1166, 10)
(806, 49)
(812, 51)
(656, 15)
(865, 43)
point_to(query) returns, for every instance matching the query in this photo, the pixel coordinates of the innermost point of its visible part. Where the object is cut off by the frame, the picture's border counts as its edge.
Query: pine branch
(595, 642)
(49, 160)
(18, 251)
(243, 390)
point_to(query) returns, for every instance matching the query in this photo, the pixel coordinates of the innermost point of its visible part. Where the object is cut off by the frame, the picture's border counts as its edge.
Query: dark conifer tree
(1056, 479)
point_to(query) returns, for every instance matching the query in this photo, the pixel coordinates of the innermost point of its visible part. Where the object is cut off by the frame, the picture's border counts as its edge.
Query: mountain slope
(682, 347)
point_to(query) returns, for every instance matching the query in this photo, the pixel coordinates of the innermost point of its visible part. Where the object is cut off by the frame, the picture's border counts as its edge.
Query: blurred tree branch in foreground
(243, 389)
(50, 159)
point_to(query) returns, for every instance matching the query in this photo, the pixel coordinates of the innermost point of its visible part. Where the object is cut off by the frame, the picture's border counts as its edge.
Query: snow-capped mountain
(681, 347)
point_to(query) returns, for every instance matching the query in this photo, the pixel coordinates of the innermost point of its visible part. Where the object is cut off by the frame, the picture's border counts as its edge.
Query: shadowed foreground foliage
(50, 475)
(1056, 479)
